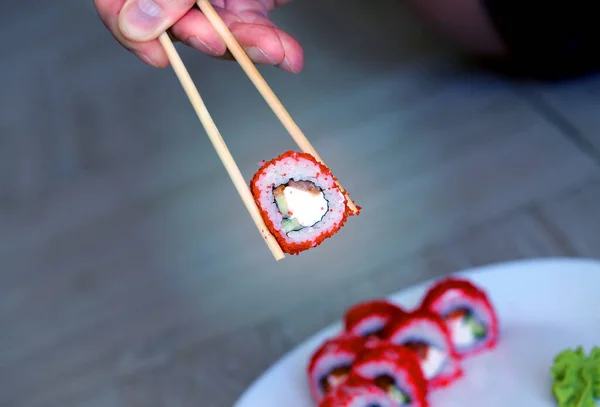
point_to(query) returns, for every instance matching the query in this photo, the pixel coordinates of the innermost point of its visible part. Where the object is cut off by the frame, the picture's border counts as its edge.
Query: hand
(136, 24)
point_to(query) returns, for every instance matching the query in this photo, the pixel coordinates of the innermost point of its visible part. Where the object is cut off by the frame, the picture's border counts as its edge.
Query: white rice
(369, 325)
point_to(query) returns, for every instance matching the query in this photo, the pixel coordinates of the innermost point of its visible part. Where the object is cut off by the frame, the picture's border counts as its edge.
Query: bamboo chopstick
(219, 144)
(261, 85)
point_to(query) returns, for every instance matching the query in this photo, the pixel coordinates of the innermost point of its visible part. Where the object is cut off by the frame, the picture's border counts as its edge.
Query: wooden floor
(132, 274)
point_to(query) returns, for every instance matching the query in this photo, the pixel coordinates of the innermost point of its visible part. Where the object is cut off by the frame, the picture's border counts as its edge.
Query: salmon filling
(301, 203)
(432, 358)
(465, 328)
(389, 385)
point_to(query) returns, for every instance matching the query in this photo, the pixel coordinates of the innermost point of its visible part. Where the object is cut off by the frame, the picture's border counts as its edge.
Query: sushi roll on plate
(299, 201)
(394, 369)
(426, 334)
(330, 365)
(358, 396)
(468, 313)
(370, 318)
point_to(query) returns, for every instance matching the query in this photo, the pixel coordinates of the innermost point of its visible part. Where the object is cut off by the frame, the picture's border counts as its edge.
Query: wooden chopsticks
(219, 144)
(213, 133)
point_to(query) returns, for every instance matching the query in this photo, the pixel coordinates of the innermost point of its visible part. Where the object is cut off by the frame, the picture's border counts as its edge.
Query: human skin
(137, 24)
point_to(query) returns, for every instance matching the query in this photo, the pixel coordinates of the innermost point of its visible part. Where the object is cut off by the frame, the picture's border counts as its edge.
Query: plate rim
(581, 262)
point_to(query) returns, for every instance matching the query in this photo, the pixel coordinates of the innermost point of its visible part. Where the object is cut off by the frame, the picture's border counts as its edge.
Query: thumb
(145, 20)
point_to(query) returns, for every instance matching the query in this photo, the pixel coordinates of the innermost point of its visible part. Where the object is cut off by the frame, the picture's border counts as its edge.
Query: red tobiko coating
(295, 248)
(380, 308)
(453, 283)
(408, 319)
(343, 343)
(403, 359)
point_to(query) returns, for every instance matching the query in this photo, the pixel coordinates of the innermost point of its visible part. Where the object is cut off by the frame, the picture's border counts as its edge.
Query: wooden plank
(36, 153)
(573, 105)
(101, 396)
(574, 217)
(214, 373)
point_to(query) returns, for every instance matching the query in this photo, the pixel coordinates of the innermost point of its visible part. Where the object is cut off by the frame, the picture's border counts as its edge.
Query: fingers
(136, 24)
(270, 45)
(195, 30)
(263, 42)
(145, 20)
(151, 52)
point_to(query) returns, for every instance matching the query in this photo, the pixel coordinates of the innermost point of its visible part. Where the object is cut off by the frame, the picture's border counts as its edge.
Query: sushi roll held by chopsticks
(295, 201)
(300, 201)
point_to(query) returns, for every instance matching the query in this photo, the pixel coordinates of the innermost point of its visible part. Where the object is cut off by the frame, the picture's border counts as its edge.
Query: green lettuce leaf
(576, 378)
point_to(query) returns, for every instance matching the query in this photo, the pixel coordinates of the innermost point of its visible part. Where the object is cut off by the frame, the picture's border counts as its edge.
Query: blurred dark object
(549, 39)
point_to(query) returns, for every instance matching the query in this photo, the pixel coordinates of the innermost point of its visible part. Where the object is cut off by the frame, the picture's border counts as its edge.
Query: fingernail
(141, 20)
(258, 55)
(200, 45)
(146, 59)
(286, 66)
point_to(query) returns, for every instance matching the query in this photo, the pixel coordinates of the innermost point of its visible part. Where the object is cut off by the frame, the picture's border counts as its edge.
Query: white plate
(544, 306)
